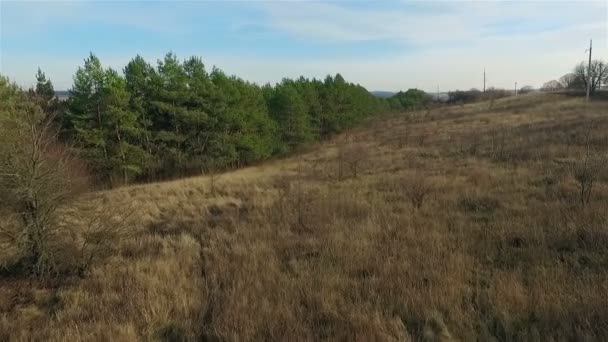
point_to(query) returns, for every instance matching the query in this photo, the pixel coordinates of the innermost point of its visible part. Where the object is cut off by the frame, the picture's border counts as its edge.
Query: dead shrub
(41, 184)
(422, 137)
(294, 203)
(479, 205)
(416, 189)
(38, 177)
(97, 231)
(586, 170)
(351, 156)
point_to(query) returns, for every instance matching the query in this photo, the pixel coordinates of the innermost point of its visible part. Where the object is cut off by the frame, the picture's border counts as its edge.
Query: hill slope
(455, 223)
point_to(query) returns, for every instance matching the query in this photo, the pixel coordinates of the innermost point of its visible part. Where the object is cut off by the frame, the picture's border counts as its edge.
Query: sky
(382, 45)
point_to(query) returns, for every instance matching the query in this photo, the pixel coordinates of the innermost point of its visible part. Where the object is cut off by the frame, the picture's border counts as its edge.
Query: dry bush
(586, 170)
(417, 189)
(351, 155)
(38, 176)
(213, 183)
(39, 180)
(422, 137)
(484, 205)
(96, 231)
(295, 203)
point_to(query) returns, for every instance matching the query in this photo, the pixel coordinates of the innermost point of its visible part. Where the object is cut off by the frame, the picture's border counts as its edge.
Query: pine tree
(43, 94)
(289, 110)
(103, 125)
(44, 87)
(177, 119)
(139, 76)
(243, 123)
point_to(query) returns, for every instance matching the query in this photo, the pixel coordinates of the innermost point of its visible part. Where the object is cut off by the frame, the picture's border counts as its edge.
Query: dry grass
(499, 248)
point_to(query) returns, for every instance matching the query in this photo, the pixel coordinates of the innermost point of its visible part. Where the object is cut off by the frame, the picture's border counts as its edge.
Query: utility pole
(515, 88)
(484, 80)
(438, 93)
(589, 70)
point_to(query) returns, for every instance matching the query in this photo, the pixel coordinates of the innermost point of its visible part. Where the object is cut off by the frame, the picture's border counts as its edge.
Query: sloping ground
(461, 223)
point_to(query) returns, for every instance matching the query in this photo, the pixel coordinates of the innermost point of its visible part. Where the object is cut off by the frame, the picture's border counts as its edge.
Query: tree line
(582, 74)
(176, 118)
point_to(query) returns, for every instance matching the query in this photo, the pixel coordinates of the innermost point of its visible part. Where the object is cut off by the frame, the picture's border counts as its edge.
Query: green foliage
(44, 88)
(289, 110)
(176, 119)
(412, 99)
(102, 123)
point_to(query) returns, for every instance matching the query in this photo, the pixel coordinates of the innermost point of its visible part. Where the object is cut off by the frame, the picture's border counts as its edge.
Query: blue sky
(383, 45)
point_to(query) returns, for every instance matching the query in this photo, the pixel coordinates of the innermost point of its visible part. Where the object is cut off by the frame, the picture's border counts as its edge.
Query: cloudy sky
(383, 45)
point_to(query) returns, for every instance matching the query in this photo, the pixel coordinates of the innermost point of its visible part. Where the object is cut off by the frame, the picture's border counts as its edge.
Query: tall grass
(463, 223)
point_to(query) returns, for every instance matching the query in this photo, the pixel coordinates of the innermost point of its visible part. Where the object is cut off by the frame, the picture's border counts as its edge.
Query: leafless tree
(569, 81)
(526, 89)
(599, 72)
(39, 178)
(552, 85)
(352, 155)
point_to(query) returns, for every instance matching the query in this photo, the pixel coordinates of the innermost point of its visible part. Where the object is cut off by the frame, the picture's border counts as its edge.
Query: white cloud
(331, 22)
(449, 22)
(453, 43)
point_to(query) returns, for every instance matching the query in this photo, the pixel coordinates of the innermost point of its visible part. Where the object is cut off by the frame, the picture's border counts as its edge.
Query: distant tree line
(579, 78)
(473, 95)
(412, 99)
(176, 118)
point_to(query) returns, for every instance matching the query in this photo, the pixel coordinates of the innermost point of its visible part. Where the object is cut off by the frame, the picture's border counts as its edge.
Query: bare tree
(570, 81)
(598, 70)
(552, 85)
(38, 178)
(352, 155)
(526, 89)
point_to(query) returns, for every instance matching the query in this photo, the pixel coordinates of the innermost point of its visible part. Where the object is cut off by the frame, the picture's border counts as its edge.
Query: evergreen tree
(44, 87)
(289, 111)
(412, 99)
(139, 76)
(103, 124)
(43, 94)
(177, 119)
(253, 129)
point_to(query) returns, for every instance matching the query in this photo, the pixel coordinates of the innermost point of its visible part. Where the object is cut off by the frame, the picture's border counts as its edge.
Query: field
(454, 223)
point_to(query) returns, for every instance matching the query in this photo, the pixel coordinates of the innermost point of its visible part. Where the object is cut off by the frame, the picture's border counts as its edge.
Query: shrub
(352, 156)
(482, 205)
(39, 179)
(417, 189)
(585, 171)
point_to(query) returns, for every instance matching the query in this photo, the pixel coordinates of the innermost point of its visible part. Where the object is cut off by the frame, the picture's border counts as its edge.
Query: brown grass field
(462, 223)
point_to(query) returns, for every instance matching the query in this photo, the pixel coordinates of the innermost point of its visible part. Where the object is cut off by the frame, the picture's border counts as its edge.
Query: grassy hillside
(461, 223)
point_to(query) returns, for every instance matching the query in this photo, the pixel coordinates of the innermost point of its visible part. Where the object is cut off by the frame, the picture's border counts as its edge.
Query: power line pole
(589, 70)
(484, 80)
(515, 88)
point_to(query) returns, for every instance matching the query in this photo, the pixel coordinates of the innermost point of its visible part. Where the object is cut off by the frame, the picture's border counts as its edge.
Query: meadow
(485, 221)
